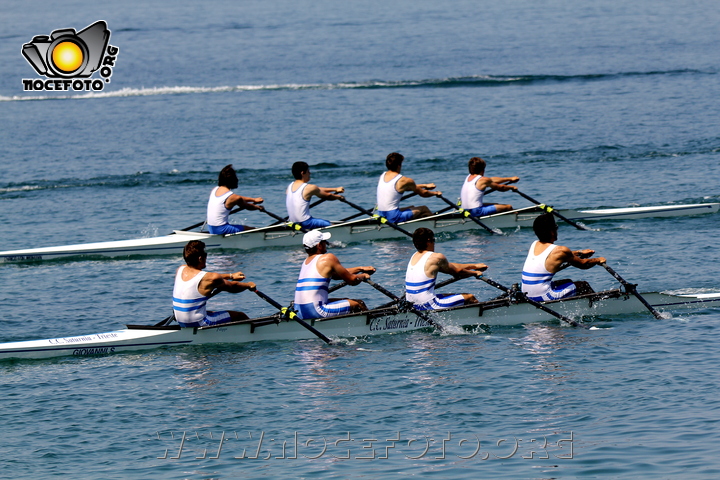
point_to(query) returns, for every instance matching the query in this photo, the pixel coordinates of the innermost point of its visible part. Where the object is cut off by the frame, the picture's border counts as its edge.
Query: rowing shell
(498, 312)
(348, 232)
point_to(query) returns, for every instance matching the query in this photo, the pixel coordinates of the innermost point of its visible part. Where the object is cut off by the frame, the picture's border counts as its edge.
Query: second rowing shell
(348, 232)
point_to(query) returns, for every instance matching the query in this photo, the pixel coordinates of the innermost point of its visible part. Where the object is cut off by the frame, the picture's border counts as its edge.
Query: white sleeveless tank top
(388, 198)
(536, 278)
(217, 212)
(188, 304)
(297, 207)
(311, 288)
(419, 288)
(470, 196)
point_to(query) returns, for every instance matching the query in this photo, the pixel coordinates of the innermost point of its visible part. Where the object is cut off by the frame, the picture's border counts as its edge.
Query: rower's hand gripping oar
(466, 214)
(549, 209)
(632, 288)
(381, 219)
(520, 296)
(293, 316)
(397, 299)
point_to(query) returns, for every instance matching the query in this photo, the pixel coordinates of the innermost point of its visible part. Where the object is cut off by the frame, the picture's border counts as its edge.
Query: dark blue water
(592, 105)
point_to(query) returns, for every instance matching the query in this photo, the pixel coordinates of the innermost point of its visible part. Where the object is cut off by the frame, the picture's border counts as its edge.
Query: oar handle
(549, 209)
(293, 316)
(632, 288)
(380, 219)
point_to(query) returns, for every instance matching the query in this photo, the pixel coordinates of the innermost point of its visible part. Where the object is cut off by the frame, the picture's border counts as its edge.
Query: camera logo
(66, 57)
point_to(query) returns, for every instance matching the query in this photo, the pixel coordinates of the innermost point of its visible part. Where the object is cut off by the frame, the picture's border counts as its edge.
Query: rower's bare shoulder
(561, 252)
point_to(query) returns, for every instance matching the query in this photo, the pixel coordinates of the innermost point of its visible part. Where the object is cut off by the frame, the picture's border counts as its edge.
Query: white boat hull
(375, 322)
(349, 232)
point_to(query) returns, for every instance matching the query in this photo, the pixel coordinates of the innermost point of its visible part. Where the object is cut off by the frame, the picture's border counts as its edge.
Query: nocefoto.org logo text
(67, 59)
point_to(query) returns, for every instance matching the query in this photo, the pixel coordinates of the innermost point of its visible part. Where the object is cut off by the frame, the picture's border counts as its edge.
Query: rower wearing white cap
(311, 293)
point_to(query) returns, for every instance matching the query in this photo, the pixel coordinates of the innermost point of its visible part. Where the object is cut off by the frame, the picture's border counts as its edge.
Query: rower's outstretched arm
(324, 192)
(338, 272)
(579, 258)
(407, 184)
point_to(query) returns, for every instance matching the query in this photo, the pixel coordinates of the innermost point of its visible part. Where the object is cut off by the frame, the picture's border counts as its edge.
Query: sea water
(602, 104)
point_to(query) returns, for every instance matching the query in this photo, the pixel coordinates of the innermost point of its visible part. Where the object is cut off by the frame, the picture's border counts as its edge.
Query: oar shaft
(282, 220)
(294, 316)
(467, 214)
(383, 220)
(551, 210)
(632, 288)
(438, 285)
(535, 304)
(337, 286)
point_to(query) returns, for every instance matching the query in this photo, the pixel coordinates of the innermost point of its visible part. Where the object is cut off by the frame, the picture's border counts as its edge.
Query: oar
(523, 298)
(549, 209)
(337, 287)
(438, 285)
(199, 224)
(632, 288)
(276, 217)
(487, 192)
(467, 214)
(293, 316)
(380, 219)
(292, 225)
(417, 312)
(346, 219)
(315, 204)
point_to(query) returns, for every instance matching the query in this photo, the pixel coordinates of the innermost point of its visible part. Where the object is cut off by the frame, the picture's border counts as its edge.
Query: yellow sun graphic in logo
(67, 56)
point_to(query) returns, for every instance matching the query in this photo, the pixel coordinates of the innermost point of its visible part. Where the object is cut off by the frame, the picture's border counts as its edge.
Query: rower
(299, 193)
(311, 292)
(193, 287)
(545, 259)
(391, 187)
(222, 200)
(423, 269)
(473, 190)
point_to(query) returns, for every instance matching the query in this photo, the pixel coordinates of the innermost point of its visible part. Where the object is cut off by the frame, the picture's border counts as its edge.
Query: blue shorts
(397, 215)
(556, 292)
(442, 301)
(310, 310)
(211, 318)
(313, 223)
(483, 211)
(225, 229)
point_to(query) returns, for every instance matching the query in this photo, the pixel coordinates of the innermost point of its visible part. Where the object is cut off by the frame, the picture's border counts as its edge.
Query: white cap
(314, 237)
